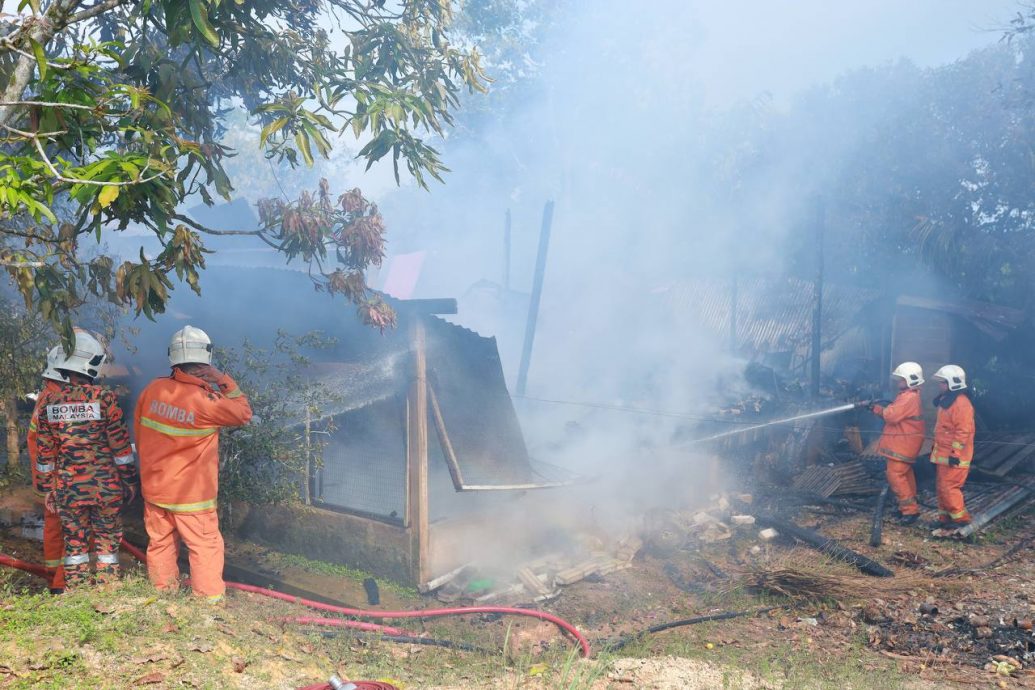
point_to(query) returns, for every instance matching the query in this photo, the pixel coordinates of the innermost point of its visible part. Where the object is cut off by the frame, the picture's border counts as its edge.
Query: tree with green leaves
(272, 459)
(111, 114)
(23, 347)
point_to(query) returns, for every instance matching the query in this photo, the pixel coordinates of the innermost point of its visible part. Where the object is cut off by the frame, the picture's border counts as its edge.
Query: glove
(954, 461)
(50, 502)
(210, 375)
(877, 409)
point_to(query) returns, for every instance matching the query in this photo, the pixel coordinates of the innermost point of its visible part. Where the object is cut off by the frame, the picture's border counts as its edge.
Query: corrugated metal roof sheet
(773, 314)
(465, 372)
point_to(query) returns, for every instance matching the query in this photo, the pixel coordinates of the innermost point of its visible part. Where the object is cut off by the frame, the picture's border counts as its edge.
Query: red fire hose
(134, 551)
(32, 568)
(423, 613)
(339, 623)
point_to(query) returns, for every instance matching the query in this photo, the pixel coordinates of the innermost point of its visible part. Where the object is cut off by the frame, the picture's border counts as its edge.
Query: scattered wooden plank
(532, 582)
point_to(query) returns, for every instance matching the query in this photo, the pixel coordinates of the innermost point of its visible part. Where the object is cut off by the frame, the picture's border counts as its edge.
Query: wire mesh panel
(364, 462)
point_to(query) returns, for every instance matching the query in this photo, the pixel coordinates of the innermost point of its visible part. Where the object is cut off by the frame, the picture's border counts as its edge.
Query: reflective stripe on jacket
(42, 473)
(903, 428)
(177, 422)
(954, 430)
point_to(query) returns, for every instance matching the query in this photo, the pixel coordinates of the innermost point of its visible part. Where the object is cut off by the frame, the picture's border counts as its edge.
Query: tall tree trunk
(42, 30)
(10, 410)
(307, 495)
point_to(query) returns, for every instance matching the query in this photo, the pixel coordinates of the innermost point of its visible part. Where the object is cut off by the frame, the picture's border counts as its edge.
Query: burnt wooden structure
(426, 459)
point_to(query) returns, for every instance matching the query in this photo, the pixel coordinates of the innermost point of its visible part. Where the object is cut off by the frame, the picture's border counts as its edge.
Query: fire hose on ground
(31, 568)
(356, 613)
(384, 615)
(724, 616)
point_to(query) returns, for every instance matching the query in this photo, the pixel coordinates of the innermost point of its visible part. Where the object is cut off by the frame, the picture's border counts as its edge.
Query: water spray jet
(776, 422)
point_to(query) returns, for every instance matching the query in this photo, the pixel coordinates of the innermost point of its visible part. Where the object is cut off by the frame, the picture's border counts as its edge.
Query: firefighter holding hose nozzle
(903, 438)
(177, 423)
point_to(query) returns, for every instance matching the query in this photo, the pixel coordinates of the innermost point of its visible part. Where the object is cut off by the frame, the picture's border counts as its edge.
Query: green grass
(93, 638)
(337, 570)
(780, 662)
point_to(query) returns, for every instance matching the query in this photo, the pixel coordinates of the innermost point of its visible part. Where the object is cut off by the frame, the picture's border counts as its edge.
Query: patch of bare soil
(677, 673)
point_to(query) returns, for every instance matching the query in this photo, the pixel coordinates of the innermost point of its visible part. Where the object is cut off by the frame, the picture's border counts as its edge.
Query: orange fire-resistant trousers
(200, 532)
(949, 483)
(903, 485)
(53, 548)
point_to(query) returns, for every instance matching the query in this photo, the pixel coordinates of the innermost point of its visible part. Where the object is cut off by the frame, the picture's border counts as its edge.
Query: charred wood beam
(878, 516)
(825, 545)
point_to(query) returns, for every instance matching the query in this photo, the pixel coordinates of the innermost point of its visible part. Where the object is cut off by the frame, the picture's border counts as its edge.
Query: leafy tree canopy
(111, 114)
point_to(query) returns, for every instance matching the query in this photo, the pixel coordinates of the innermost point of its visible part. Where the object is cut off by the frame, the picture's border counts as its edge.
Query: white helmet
(911, 372)
(952, 375)
(190, 345)
(87, 357)
(55, 357)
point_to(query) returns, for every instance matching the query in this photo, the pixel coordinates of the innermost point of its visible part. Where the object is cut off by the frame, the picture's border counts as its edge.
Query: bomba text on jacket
(177, 414)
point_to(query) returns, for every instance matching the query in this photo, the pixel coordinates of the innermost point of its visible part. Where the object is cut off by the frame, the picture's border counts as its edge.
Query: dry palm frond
(804, 577)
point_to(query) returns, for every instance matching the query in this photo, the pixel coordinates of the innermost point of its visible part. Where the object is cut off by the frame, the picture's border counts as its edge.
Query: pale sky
(784, 47)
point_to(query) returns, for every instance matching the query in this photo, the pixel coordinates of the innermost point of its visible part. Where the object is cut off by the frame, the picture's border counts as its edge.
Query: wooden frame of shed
(412, 547)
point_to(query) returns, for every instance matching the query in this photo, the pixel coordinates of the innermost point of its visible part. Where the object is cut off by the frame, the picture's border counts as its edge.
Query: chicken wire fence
(364, 462)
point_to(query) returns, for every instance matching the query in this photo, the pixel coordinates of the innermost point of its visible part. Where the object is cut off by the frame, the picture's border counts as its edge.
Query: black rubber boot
(907, 520)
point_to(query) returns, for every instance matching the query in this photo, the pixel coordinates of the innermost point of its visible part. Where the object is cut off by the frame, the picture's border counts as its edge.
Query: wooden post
(417, 457)
(506, 252)
(817, 304)
(443, 438)
(10, 410)
(537, 294)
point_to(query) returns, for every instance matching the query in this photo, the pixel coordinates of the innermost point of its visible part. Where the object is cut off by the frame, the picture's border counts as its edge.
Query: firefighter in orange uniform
(953, 446)
(903, 437)
(177, 422)
(82, 433)
(42, 477)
